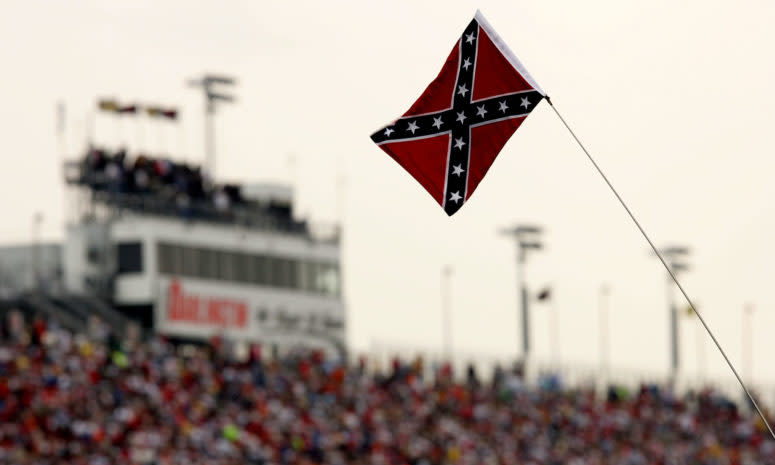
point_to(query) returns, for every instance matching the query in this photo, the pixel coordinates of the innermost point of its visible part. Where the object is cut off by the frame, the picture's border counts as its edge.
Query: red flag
(167, 113)
(451, 135)
(127, 109)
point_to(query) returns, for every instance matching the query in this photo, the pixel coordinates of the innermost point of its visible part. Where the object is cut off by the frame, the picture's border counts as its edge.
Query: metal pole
(523, 299)
(554, 339)
(446, 273)
(603, 308)
(747, 342)
(208, 83)
(525, 237)
(700, 353)
(62, 149)
(674, 358)
(210, 140)
(37, 219)
(664, 263)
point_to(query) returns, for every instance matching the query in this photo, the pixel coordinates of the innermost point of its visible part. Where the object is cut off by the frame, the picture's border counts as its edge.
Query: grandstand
(95, 398)
(158, 245)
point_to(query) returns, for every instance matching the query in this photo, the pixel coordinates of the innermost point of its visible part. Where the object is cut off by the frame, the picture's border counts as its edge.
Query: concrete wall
(27, 266)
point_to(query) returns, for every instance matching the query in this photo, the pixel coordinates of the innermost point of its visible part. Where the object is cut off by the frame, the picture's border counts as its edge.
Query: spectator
(87, 400)
(162, 186)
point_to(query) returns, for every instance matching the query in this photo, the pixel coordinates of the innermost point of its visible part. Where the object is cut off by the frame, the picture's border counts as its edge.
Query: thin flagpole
(664, 263)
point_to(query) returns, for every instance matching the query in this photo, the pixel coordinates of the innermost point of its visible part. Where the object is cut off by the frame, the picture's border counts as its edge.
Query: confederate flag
(453, 132)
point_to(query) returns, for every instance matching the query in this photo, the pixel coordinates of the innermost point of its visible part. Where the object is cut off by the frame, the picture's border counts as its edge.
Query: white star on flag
(461, 116)
(470, 38)
(413, 127)
(503, 106)
(466, 64)
(457, 170)
(462, 90)
(455, 196)
(389, 131)
(459, 143)
(437, 123)
(481, 111)
(525, 103)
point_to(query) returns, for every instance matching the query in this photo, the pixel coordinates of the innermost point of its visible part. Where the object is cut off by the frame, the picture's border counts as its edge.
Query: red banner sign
(204, 310)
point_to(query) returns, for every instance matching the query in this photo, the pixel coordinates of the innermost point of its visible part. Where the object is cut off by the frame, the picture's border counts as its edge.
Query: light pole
(446, 310)
(747, 342)
(605, 291)
(37, 220)
(554, 332)
(526, 238)
(676, 257)
(208, 83)
(700, 340)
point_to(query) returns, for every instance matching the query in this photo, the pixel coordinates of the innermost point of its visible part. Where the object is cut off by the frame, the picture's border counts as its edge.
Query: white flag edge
(506, 51)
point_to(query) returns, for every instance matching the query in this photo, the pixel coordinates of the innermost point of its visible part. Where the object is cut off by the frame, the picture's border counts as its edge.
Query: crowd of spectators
(178, 184)
(98, 400)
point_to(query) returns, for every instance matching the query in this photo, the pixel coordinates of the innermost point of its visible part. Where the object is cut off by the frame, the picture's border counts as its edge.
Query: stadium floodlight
(207, 82)
(675, 256)
(675, 250)
(528, 229)
(521, 230)
(229, 81)
(676, 267)
(221, 97)
(526, 238)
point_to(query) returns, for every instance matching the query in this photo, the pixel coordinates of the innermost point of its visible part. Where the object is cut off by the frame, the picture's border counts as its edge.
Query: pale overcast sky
(675, 99)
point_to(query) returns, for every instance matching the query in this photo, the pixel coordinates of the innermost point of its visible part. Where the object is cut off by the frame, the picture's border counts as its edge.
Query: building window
(260, 269)
(163, 257)
(130, 257)
(226, 266)
(190, 261)
(176, 254)
(294, 281)
(303, 275)
(276, 271)
(243, 271)
(328, 279)
(208, 264)
(240, 267)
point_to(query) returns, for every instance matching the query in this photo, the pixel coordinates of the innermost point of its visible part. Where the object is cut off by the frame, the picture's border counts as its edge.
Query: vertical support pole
(554, 333)
(700, 354)
(667, 268)
(523, 302)
(446, 273)
(603, 308)
(674, 351)
(747, 343)
(37, 220)
(210, 140)
(674, 360)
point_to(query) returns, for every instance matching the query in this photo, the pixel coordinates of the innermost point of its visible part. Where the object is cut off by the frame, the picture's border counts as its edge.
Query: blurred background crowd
(179, 183)
(216, 161)
(96, 399)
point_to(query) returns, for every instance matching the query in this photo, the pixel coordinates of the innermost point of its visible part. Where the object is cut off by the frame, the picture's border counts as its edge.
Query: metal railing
(165, 203)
